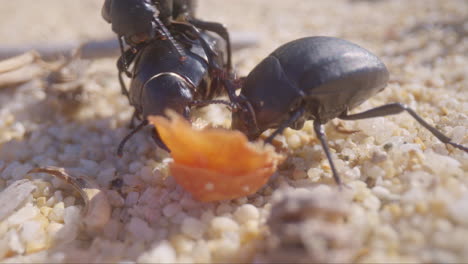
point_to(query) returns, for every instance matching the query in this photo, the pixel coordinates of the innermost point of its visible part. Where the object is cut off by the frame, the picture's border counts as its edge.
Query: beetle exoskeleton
(315, 78)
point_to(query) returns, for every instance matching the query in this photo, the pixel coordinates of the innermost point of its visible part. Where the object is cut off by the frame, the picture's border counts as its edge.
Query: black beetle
(314, 78)
(160, 81)
(140, 21)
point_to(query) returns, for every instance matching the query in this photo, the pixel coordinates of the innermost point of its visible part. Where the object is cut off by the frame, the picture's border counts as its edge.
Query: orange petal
(215, 164)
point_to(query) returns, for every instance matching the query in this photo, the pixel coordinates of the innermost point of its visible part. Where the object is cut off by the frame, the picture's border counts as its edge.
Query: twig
(101, 48)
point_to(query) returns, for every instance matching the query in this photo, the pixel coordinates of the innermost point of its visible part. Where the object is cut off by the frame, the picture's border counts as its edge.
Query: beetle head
(244, 118)
(106, 11)
(166, 91)
(132, 19)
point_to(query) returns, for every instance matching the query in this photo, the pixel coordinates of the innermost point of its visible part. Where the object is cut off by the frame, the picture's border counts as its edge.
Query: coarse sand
(406, 198)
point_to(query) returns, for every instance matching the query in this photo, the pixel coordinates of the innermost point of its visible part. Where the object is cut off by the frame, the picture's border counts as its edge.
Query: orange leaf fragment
(215, 164)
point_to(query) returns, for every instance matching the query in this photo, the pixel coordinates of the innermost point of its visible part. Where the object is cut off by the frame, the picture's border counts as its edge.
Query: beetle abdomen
(335, 74)
(160, 58)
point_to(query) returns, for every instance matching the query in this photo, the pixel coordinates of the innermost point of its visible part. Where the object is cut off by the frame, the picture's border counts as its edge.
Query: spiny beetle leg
(318, 128)
(396, 108)
(293, 118)
(219, 29)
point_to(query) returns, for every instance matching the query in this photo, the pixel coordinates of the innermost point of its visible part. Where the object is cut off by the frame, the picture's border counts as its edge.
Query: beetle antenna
(127, 137)
(165, 33)
(123, 57)
(250, 109)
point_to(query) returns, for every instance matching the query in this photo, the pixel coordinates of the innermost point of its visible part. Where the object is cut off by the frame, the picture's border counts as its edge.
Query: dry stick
(21, 75)
(101, 48)
(29, 65)
(18, 61)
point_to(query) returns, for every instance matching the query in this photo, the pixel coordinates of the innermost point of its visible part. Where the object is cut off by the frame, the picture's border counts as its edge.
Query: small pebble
(58, 195)
(22, 215)
(132, 199)
(146, 174)
(56, 214)
(134, 167)
(106, 176)
(223, 224)
(69, 201)
(246, 212)
(41, 201)
(294, 141)
(163, 252)
(31, 230)
(45, 211)
(14, 242)
(139, 229)
(223, 208)
(53, 228)
(171, 209)
(115, 199)
(193, 228)
(187, 202)
(182, 244)
(178, 217)
(459, 210)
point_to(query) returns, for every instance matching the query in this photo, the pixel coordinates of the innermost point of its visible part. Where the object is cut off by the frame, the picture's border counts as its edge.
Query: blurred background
(398, 24)
(424, 43)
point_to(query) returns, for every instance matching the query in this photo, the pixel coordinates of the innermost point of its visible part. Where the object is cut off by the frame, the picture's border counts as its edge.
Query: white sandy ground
(407, 201)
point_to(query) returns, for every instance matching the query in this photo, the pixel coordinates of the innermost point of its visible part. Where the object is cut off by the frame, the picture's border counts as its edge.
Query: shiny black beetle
(161, 81)
(314, 78)
(138, 22)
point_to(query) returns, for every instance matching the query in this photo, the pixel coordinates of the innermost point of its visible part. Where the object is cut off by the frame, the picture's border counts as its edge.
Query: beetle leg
(294, 117)
(318, 128)
(127, 137)
(165, 33)
(157, 139)
(209, 51)
(396, 108)
(122, 66)
(124, 60)
(123, 87)
(231, 91)
(155, 135)
(135, 115)
(219, 29)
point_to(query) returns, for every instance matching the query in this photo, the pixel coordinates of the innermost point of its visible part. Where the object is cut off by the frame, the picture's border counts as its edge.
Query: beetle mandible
(315, 78)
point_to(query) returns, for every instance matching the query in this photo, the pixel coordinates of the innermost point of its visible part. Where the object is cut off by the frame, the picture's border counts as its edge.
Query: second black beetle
(315, 78)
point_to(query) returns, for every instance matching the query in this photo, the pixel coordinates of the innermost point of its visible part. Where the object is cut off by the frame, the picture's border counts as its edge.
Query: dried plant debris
(14, 196)
(97, 208)
(64, 85)
(20, 69)
(62, 81)
(308, 227)
(203, 159)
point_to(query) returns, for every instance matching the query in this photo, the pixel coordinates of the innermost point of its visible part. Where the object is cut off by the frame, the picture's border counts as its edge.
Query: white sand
(407, 200)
